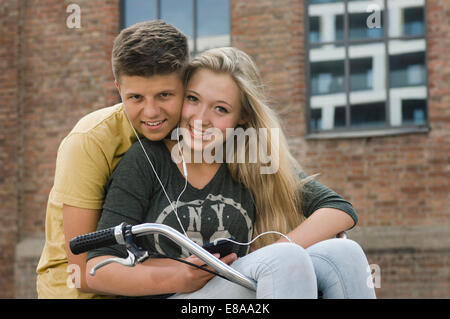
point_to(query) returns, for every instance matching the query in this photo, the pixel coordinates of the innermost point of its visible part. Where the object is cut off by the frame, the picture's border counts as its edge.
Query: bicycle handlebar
(114, 235)
(97, 239)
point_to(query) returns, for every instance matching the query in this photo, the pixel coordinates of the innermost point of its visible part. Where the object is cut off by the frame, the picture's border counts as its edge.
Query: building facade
(362, 88)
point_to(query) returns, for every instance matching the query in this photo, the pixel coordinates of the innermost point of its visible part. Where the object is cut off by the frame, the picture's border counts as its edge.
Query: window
(366, 66)
(327, 77)
(137, 11)
(206, 23)
(413, 18)
(414, 111)
(361, 74)
(316, 119)
(339, 116)
(407, 69)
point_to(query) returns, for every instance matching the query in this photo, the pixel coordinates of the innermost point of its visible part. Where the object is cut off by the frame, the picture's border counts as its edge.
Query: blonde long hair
(277, 196)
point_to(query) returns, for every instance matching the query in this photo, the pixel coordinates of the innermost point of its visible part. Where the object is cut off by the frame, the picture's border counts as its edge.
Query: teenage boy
(148, 60)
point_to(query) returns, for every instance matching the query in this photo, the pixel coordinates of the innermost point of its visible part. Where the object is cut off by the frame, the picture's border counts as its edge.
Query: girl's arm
(155, 276)
(327, 214)
(324, 223)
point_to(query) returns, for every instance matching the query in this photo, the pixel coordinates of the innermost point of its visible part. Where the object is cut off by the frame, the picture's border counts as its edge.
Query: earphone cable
(251, 242)
(154, 171)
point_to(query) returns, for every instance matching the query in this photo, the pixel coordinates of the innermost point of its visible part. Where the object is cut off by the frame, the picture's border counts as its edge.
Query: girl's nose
(201, 116)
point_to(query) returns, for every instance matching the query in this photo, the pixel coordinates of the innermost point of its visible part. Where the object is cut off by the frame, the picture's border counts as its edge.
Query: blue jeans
(334, 268)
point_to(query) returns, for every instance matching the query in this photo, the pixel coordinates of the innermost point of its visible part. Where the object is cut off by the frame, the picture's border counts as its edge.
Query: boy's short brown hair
(149, 48)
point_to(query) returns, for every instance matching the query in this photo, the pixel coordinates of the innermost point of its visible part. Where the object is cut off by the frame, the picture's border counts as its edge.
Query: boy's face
(153, 104)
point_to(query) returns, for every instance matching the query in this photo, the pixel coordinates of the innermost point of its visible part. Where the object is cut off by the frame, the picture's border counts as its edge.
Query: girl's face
(211, 105)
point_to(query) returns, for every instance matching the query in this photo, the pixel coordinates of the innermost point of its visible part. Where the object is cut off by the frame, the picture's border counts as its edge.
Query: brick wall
(67, 74)
(50, 76)
(9, 140)
(272, 33)
(412, 273)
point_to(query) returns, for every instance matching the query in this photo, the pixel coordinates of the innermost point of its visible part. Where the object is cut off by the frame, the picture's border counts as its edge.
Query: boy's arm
(78, 221)
(82, 170)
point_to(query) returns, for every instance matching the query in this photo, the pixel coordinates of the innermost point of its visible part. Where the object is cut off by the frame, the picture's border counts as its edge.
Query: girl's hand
(195, 278)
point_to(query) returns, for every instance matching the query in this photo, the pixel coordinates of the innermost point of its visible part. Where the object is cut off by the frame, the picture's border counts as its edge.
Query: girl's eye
(191, 98)
(221, 109)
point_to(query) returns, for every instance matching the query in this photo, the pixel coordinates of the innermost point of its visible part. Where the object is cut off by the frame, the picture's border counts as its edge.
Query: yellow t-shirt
(85, 160)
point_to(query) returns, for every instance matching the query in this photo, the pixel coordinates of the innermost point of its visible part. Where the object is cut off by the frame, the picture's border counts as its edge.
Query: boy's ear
(117, 85)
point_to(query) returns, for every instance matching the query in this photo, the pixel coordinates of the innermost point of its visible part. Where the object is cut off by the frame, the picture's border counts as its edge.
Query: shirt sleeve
(127, 198)
(316, 195)
(82, 171)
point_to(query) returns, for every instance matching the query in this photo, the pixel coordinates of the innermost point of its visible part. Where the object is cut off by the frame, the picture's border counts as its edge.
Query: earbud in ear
(185, 169)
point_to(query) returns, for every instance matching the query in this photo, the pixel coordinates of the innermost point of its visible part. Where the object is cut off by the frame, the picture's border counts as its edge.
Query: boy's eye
(164, 94)
(136, 97)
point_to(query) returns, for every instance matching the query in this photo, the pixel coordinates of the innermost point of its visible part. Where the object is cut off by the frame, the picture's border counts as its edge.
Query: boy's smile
(154, 125)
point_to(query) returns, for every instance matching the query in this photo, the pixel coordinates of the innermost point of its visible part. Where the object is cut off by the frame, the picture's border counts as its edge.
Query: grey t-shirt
(223, 208)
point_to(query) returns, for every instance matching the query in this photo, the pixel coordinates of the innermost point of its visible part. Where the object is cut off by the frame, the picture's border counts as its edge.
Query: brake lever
(135, 254)
(130, 261)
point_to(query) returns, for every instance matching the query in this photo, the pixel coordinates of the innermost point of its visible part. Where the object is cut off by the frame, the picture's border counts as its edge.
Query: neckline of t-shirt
(180, 175)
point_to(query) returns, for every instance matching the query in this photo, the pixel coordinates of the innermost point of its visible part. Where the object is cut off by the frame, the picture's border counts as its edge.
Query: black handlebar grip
(97, 239)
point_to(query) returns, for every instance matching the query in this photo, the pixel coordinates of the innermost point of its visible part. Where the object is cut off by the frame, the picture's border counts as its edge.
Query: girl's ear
(242, 121)
(244, 118)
